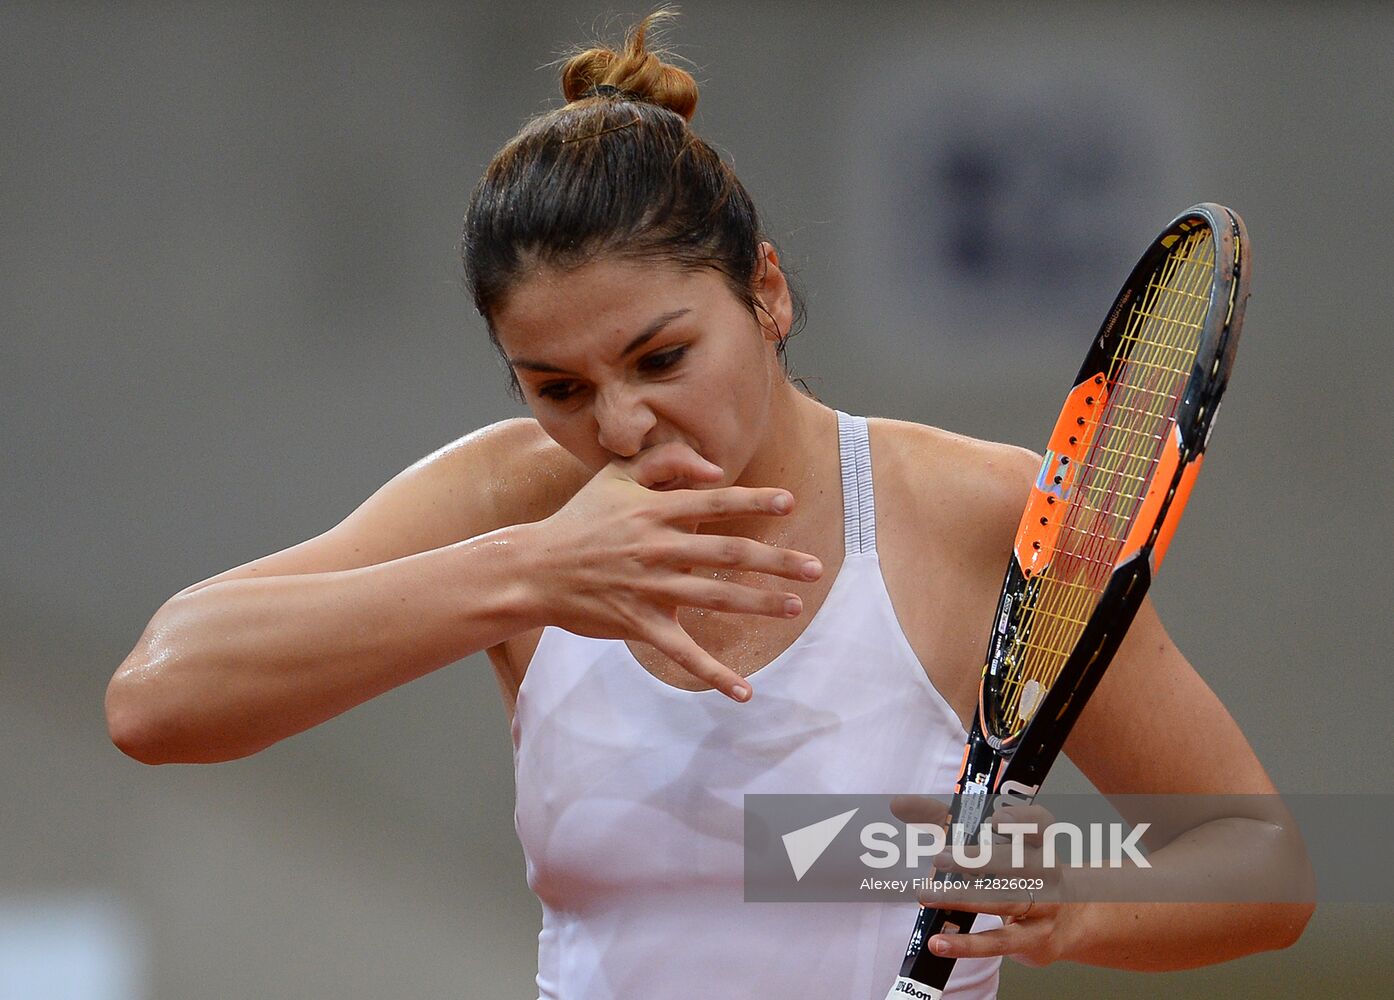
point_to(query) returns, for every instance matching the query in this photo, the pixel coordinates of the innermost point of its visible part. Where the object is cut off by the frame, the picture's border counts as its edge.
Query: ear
(774, 304)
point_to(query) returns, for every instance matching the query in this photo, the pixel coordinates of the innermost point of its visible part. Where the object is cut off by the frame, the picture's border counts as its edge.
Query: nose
(622, 420)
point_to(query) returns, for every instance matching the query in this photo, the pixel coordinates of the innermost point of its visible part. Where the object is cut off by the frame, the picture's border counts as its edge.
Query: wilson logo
(1015, 793)
(909, 988)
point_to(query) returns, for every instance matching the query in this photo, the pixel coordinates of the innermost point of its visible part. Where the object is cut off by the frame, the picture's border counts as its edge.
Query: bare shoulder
(509, 472)
(972, 490)
(947, 510)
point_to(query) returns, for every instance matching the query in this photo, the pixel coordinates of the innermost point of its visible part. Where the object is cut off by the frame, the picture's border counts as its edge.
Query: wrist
(1074, 917)
(520, 581)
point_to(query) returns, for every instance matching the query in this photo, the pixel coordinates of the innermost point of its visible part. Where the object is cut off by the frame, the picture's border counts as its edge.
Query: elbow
(154, 722)
(1289, 922)
(1289, 918)
(135, 694)
(1302, 904)
(153, 700)
(128, 723)
(147, 710)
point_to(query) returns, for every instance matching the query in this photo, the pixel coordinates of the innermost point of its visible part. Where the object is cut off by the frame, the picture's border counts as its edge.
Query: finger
(699, 506)
(1032, 814)
(1002, 862)
(966, 903)
(669, 465)
(668, 637)
(733, 598)
(976, 901)
(732, 552)
(920, 809)
(1009, 939)
(970, 894)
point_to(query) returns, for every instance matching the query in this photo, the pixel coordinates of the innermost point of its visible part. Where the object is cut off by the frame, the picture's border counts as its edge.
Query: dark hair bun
(639, 73)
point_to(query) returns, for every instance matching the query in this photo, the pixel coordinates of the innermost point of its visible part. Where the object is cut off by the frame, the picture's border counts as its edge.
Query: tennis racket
(1118, 470)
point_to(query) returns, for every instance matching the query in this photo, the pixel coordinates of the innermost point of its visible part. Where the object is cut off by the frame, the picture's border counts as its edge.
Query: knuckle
(650, 555)
(650, 513)
(691, 660)
(633, 615)
(633, 556)
(717, 598)
(705, 671)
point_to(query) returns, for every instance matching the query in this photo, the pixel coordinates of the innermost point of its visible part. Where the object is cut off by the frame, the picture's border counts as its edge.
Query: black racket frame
(1014, 769)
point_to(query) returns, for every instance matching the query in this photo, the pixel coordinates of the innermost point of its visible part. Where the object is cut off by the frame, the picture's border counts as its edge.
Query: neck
(796, 452)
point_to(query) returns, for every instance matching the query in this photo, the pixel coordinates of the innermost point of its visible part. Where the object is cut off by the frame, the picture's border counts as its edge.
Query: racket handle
(923, 974)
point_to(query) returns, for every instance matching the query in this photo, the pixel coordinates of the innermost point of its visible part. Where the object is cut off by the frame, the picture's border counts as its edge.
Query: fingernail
(941, 947)
(793, 606)
(783, 503)
(741, 692)
(812, 569)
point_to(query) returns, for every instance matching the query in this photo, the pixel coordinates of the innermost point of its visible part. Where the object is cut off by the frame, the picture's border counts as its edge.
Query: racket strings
(1147, 375)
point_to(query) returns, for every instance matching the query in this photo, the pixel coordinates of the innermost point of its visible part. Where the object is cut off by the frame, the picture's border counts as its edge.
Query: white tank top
(630, 799)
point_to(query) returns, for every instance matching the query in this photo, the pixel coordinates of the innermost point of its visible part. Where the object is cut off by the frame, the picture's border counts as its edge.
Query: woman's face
(616, 357)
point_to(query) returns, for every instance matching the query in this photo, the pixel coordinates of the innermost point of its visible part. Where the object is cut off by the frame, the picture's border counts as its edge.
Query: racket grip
(923, 974)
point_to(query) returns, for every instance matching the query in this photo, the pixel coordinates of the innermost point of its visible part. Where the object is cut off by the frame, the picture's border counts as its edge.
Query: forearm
(1234, 859)
(233, 667)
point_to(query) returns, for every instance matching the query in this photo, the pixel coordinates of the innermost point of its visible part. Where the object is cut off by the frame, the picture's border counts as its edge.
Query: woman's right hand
(618, 555)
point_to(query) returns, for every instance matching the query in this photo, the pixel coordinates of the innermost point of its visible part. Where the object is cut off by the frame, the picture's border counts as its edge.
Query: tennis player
(693, 581)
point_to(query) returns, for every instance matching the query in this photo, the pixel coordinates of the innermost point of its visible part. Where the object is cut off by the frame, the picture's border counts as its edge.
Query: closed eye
(557, 391)
(662, 360)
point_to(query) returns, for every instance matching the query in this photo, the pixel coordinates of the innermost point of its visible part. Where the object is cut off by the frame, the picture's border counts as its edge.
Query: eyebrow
(649, 332)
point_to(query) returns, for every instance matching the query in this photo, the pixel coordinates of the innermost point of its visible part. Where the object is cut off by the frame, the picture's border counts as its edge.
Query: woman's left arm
(1154, 727)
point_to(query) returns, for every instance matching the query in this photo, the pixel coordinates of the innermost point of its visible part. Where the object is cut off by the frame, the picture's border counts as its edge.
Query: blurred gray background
(230, 308)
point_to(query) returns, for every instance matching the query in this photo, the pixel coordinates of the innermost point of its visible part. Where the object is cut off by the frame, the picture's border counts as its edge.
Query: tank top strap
(858, 500)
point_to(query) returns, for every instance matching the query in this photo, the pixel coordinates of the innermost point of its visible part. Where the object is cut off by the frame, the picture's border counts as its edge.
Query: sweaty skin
(675, 490)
